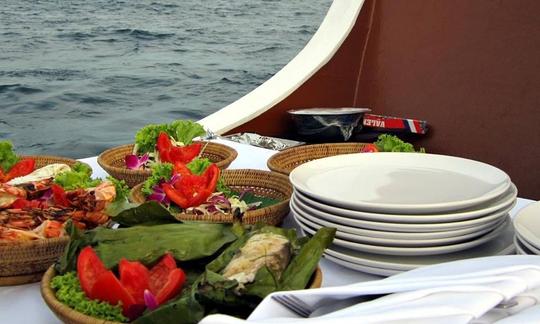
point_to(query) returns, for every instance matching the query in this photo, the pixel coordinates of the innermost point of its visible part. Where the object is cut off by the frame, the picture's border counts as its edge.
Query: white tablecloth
(23, 304)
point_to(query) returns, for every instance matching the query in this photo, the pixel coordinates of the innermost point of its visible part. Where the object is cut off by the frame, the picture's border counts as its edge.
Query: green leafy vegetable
(68, 291)
(250, 197)
(181, 130)
(185, 308)
(391, 143)
(77, 177)
(198, 165)
(185, 131)
(146, 137)
(8, 158)
(160, 171)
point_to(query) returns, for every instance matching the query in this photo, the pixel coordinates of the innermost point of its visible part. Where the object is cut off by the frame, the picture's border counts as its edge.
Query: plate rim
(410, 227)
(512, 194)
(388, 207)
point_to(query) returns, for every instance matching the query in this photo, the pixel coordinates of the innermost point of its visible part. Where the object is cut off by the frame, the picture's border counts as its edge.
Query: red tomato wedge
(59, 195)
(173, 286)
(108, 288)
(192, 190)
(135, 277)
(89, 268)
(21, 168)
(370, 148)
(160, 272)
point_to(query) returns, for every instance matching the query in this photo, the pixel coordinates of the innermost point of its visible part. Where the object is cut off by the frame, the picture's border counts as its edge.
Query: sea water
(80, 76)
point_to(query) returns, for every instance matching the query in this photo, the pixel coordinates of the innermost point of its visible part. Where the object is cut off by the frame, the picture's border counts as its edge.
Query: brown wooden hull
(470, 68)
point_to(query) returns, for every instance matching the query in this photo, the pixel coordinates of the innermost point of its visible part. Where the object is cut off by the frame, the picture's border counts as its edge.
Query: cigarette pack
(394, 124)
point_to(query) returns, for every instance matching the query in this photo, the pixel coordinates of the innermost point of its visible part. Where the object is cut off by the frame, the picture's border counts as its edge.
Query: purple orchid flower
(150, 300)
(133, 162)
(159, 195)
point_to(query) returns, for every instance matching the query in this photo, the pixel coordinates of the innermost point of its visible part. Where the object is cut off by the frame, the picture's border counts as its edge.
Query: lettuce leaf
(198, 165)
(160, 172)
(181, 130)
(78, 177)
(146, 137)
(8, 158)
(185, 131)
(391, 143)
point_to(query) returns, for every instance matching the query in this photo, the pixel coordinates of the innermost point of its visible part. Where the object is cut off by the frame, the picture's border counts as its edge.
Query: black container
(327, 124)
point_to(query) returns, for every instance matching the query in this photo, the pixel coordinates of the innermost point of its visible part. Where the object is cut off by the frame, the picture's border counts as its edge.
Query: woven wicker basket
(71, 316)
(113, 161)
(263, 183)
(24, 262)
(285, 161)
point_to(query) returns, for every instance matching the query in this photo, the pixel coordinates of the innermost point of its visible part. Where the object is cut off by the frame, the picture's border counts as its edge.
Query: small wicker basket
(24, 262)
(71, 316)
(286, 160)
(262, 183)
(113, 161)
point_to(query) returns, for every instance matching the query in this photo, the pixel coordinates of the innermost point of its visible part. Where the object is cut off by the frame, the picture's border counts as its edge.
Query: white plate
(409, 251)
(394, 235)
(362, 268)
(397, 242)
(405, 183)
(520, 249)
(502, 245)
(398, 227)
(527, 223)
(527, 246)
(498, 203)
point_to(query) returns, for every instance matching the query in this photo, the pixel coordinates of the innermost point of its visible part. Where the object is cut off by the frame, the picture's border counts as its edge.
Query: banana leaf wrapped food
(229, 268)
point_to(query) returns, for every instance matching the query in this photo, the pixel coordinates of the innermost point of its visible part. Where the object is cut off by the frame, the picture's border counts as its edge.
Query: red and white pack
(395, 124)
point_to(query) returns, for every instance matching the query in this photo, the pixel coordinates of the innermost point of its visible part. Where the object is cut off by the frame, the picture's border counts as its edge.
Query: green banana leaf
(148, 213)
(186, 241)
(219, 292)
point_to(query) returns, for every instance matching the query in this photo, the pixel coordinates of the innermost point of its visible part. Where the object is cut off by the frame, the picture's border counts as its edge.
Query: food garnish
(169, 143)
(11, 165)
(392, 143)
(160, 283)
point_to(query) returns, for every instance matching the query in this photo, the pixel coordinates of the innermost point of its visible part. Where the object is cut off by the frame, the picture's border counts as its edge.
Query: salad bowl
(113, 161)
(261, 183)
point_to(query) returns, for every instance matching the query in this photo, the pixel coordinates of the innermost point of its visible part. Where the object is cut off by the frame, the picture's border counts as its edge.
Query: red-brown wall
(471, 68)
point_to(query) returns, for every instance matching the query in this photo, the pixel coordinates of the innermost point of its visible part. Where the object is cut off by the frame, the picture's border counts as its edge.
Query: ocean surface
(80, 76)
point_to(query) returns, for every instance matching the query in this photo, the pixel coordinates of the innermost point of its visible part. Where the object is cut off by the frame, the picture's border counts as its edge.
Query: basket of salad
(286, 160)
(161, 143)
(178, 272)
(200, 191)
(38, 194)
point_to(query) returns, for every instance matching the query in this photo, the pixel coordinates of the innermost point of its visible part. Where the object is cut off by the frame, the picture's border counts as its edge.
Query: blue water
(80, 76)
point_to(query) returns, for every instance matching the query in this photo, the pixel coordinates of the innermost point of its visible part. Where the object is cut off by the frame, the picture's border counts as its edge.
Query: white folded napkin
(448, 294)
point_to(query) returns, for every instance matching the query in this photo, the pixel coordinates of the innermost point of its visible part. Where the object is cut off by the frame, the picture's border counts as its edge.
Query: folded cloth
(448, 293)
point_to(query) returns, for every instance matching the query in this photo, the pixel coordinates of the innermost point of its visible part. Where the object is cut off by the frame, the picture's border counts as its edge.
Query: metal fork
(300, 308)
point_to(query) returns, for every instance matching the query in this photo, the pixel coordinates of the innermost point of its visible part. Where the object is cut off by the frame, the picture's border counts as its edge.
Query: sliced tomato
(22, 203)
(172, 287)
(160, 272)
(21, 168)
(59, 195)
(212, 175)
(89, 268)
(184, 154)
(175, 196)
(370, 148)
(164, 145)
(108, 288)
(135, 277)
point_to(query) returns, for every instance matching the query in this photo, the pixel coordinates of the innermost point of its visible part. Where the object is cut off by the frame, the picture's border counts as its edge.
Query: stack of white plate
(397, 211)
(527, 224)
